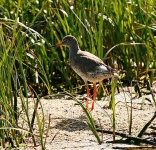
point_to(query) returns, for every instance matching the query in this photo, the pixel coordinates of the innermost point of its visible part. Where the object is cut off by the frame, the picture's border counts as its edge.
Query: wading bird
(88, 66)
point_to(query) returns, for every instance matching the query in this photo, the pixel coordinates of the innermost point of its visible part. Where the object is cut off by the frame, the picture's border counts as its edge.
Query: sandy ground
(69, 130)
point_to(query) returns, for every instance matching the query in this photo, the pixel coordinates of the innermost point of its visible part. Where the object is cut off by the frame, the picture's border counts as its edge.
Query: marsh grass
(120, 33)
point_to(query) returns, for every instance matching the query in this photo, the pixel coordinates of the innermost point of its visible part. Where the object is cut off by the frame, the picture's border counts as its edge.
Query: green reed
(117, 32)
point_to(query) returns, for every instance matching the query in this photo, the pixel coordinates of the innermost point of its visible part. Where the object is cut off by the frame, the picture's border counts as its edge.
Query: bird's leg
(94, 96)
(88, 94)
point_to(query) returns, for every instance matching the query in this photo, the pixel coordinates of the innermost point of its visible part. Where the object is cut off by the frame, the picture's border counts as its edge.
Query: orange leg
(94, 96)
(88, 94)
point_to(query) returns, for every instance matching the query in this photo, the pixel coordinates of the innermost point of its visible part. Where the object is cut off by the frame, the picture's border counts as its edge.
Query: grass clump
(120, 33)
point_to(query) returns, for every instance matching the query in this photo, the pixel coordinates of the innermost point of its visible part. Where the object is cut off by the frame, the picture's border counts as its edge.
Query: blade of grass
(113, 105)
(90, 119)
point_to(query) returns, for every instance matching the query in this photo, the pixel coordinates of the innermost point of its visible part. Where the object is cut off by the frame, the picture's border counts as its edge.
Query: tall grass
(102, 25)
(120, 33)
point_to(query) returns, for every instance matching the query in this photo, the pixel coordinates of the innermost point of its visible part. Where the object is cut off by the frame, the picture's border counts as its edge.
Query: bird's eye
(65, 41)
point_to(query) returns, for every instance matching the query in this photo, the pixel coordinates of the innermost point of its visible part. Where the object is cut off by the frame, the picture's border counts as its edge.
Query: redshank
(88, 66)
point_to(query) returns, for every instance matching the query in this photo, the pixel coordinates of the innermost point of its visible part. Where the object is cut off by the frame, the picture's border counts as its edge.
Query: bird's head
(69, 41)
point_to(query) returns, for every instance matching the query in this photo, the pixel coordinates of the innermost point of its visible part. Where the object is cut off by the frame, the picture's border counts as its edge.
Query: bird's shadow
(71, 125)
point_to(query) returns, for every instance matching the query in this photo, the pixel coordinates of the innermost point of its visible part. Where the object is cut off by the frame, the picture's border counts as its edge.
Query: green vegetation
(123, 34)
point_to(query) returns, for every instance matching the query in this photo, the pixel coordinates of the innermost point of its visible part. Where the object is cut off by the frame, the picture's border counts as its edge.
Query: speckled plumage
(88, 66)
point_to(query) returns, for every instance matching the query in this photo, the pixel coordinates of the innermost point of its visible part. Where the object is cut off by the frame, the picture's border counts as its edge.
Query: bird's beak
(59, 44)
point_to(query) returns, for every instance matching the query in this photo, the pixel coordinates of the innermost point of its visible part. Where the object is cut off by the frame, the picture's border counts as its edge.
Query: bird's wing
(90, 57)
(91, 63)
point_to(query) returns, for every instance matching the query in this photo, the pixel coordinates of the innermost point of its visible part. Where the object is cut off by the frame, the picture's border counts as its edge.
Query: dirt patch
(69, 130)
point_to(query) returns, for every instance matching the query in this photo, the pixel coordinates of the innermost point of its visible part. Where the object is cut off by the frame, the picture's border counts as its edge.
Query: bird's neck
(74, 49)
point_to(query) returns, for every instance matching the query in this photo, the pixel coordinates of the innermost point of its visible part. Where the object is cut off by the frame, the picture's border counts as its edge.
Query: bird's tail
(115, 73)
